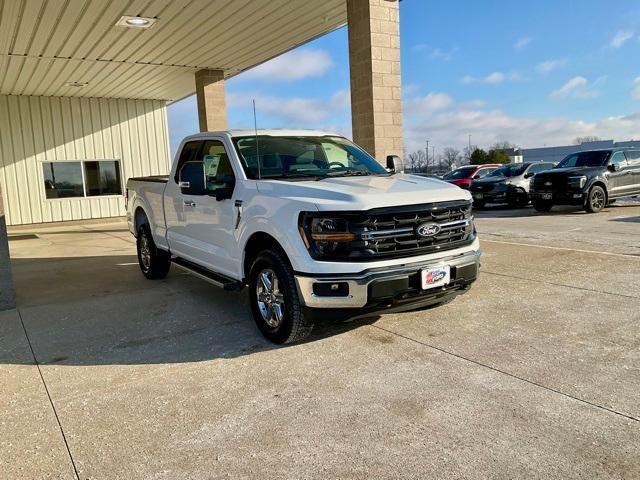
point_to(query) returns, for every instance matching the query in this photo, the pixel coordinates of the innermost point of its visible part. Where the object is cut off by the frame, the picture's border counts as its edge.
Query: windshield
(464, 172)
(512, 170)
(585, 159)
(299, 157)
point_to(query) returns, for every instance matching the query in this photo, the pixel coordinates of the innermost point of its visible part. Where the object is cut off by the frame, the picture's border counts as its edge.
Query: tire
(542, 206)
(276, 310)
(154, 263)
(521, 199)
(596, 199)
(479, 204)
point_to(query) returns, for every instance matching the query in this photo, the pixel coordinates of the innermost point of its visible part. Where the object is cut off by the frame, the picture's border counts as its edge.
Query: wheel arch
(140, 218)
(257, 242)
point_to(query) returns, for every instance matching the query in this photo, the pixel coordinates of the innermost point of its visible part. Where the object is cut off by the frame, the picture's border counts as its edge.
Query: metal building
(84, 86)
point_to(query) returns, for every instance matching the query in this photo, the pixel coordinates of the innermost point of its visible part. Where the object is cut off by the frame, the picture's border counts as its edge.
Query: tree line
(451, 157)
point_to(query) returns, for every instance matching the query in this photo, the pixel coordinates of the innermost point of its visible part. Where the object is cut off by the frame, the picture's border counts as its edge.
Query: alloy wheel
(270, 298)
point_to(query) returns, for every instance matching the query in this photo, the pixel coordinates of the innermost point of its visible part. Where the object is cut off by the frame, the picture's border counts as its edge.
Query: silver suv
(508, 184)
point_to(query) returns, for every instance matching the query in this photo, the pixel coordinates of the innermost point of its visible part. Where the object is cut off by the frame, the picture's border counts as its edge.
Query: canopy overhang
(75, 48)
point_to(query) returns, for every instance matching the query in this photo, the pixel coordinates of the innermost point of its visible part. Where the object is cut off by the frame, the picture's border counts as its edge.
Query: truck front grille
(393, 232)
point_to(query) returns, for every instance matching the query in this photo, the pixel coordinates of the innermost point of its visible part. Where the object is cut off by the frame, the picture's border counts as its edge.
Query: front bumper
(569, 197)
(496, 196)
(381, 288)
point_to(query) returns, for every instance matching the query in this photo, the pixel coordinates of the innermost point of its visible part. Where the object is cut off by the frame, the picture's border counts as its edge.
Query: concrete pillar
(374, 59)
(212, 107)
(7, 297)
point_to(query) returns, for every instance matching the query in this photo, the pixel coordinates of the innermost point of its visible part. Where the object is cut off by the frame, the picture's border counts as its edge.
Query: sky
(530, 73)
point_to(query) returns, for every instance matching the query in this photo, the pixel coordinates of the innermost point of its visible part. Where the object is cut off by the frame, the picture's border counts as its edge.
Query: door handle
(189, 203)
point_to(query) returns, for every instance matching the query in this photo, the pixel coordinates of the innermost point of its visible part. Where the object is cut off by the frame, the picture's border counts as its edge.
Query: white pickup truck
(310, 222)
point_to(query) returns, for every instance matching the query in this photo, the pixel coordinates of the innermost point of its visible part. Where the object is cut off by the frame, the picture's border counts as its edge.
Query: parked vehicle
(463, 176)
(590, 178)
(507, 184)
(310, 222)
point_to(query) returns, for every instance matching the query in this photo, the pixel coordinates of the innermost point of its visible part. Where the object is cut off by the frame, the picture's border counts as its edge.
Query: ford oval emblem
(428, 229)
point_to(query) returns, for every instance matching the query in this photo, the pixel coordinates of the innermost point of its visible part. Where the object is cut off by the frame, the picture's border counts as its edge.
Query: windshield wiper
(290, 175)
(343, 173)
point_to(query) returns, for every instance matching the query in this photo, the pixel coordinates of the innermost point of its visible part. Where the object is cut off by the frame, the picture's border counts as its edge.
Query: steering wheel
(336, 165)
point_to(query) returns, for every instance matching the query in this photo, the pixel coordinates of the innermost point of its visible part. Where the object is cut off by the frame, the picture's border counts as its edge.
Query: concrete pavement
(533, 374)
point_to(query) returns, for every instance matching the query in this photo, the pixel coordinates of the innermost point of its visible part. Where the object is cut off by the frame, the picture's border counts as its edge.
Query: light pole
(433, 150)
(426, 168)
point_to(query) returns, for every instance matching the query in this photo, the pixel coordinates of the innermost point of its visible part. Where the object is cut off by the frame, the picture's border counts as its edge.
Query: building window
(63, 179)
(102, 178)
(82, 179)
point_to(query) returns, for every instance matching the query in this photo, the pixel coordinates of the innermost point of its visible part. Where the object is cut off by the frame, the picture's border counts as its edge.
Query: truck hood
(571, 171)
(364, 193)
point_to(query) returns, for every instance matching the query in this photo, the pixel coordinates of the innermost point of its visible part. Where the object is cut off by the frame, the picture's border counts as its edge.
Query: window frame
(623, 163)
(198, 157)
(84, 179)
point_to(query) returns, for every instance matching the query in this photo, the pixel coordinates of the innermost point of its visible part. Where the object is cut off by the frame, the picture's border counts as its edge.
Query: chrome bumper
(359, 283)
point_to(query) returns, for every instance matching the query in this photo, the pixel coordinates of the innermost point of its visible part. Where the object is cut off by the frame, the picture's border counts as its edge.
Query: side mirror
(529, 175)
(226, 190)
(394, 164)
(613, 167)
(191, 180)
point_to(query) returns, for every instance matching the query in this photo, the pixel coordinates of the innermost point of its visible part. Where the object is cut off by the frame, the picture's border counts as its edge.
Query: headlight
(327, 236)
(577, 182)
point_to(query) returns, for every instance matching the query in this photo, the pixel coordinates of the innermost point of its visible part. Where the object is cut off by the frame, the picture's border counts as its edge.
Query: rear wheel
(542, 205)
(596, 199)
(154, 263)
(275, 304)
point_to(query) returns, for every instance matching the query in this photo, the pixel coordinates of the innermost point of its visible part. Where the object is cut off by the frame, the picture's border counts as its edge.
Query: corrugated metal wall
(39, 129)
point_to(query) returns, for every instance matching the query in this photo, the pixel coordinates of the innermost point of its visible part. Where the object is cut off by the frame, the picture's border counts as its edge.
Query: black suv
(507, 184)
(591, 178)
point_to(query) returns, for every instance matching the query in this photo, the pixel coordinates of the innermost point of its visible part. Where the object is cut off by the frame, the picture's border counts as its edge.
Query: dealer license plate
(546, 196)
(436, 276)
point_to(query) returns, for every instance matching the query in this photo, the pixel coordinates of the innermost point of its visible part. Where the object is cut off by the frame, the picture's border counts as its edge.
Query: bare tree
(503, 146)
(450, 157)
(416, 161)
(586, 139)
(466, 154)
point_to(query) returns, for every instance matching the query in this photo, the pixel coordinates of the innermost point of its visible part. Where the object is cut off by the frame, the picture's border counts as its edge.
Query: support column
(212, 107)
(374, 59)
(7, 297)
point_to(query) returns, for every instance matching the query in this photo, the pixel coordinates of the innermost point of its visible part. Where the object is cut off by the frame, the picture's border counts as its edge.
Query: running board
(216, 279)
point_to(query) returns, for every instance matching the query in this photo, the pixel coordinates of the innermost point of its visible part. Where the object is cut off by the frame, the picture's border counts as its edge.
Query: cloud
(429, 103)
(293, 65)
(522, 42)
(451, 127)
(620, 38)
(635, 93)
(549, 66)
(491, 79)
(435, 52)
(576, 87)
(296, 111)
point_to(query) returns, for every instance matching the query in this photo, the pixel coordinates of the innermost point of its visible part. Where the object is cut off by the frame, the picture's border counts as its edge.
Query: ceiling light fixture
(134, 21)
(76, 84)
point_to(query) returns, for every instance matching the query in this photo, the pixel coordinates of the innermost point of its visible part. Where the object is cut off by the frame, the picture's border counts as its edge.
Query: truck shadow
(102, 311)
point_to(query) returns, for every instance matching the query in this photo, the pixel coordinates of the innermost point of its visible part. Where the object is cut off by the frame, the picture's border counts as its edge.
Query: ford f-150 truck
(312, 224)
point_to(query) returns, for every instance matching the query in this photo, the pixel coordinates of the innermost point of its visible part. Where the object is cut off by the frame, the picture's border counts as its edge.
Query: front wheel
(596, 199)
(479, 204)
(542, 206)
(520, 200)
(275, 304)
